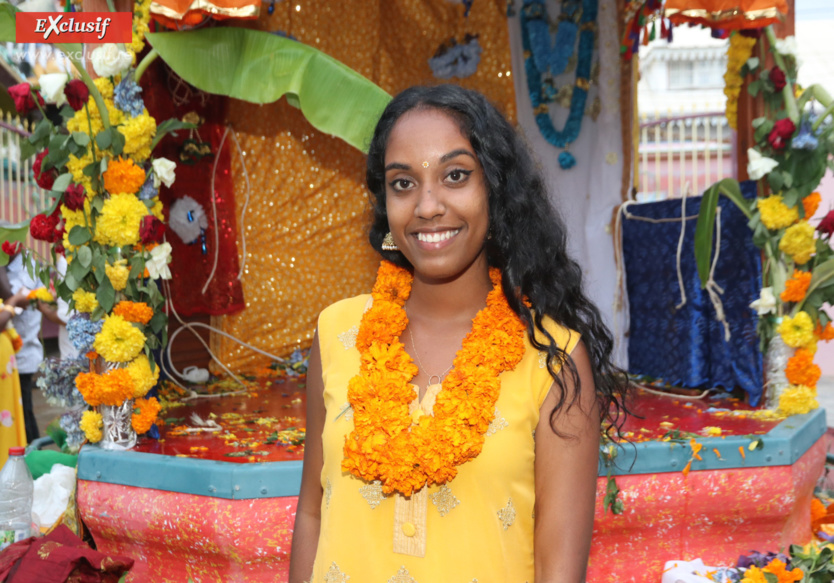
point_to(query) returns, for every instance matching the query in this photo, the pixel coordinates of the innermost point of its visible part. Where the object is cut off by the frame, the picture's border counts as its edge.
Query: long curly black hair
(528, 239)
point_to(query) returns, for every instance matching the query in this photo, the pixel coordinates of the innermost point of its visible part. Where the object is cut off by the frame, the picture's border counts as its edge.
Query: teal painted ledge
(782, 446)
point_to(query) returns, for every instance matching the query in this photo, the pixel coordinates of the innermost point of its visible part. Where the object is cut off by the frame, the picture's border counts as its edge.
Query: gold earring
(388, 243)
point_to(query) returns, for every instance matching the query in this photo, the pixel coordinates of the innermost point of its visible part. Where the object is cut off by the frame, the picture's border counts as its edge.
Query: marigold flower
(91, 424)
(117, 273)
(798, 400)
(810, 203)
(778, 568)
(801, 369)
(119, 340)
(138, 312)
(775, 214)
(144, 414)
(84, 301)
(41, 294)
(143, 379)
(754, 575)
(119, 222)
(798, 331)
(112, 388)
(798, 242)
(826, 333)
(123, 175)
(796, 287)
(818, 510)
(138, 132)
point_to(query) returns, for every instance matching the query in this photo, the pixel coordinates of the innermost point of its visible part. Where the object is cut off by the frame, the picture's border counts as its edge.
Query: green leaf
(84, 256)
(67, 112)
(7, 25)
(770, 577)
(758, 121)
(170, 126)
(13, 233)
(823, 276)
(81, 138)
(703, 232)
(62, 182)
(261, 67)
(118, 141)
(790, 197)
(776, 181)
(79, 235)
(103, 140)
(26, 149)
(78, 270)
(42, 130)
(71, 282)
(158, 322)
(106, 295)
(754, 87)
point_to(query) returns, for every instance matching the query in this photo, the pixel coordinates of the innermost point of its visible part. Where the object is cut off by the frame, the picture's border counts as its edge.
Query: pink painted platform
(212, 520)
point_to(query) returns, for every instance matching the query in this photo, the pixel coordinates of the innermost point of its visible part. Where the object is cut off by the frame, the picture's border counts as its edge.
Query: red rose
(59, 248)
(58, 235)
(826, 225)
(74, 197)
(10, 248)
(151, 230)
(781, 133)
(44, 179)
(42, 228)
(77, 94)
(777, 77)
(23, 97)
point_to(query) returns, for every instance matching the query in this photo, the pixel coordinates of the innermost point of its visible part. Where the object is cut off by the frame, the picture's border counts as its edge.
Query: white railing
(20, 197)
(686, 151)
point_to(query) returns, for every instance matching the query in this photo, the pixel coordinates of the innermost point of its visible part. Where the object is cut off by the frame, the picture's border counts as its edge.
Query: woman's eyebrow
(397, 166)
(455, 153)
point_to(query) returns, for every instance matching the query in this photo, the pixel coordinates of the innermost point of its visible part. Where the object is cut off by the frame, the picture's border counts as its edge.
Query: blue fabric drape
(686, 347)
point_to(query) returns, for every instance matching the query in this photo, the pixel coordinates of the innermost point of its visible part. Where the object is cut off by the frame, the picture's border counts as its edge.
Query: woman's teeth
(436, 237)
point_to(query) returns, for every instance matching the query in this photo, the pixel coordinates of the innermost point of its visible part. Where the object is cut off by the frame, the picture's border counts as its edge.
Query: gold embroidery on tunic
(372, 493)
(348, 339)
(346, 411)
(46, 548)
(444, 500)
(328, 491)
(402, 576)
(335, 575)
(507, 515)
(498, 423)
(542, 360)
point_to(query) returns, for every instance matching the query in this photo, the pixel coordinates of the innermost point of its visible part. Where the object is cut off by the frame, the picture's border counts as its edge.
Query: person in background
(28, 325)
(60, 315)
(12, 426)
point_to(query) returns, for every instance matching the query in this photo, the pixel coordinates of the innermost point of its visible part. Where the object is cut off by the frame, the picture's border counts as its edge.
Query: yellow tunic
(478, 527)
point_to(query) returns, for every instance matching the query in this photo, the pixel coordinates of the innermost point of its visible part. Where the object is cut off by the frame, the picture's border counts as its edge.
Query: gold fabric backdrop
(306, 220)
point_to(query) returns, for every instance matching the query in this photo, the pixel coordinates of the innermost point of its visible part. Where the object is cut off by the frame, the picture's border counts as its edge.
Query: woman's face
(436, 196)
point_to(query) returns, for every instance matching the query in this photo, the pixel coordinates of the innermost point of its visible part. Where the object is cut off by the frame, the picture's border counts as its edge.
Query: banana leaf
(705, 226)
(260, 67)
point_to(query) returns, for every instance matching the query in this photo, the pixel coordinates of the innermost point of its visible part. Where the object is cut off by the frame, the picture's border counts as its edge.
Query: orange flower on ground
(754, 575)
(801, 369)
(811, 203)
(123, 176)
(818, 511)
(138, 312)
(826, 333)
(778, 568)
(144, 414)
(796, 287)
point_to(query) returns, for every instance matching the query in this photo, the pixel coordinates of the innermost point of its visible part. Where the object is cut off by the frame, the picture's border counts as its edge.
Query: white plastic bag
(52, 494)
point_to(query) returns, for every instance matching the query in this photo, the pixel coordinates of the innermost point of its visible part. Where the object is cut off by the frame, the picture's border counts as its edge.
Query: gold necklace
(420, 363)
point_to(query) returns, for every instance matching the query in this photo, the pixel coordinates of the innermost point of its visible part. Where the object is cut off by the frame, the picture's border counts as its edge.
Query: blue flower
(70, 422)
(805, 139)
(457, 60)
(82, 332)
(128, 97)
(148, 190)
(566, 160)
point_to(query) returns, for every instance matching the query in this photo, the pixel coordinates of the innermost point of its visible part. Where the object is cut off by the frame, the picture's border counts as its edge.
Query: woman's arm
(305, 536)
(566, 478)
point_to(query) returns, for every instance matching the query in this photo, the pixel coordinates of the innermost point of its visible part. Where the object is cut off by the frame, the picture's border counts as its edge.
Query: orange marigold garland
(810, 204)
(111, 388)
(801, 369)
(386, 444)
(144, 414)
(123, 176)
(138, 312)
(826, 333)
(796, 287)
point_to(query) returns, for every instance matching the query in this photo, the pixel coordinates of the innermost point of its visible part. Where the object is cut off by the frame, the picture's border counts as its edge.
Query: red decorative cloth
(191, 267)
(58, 557)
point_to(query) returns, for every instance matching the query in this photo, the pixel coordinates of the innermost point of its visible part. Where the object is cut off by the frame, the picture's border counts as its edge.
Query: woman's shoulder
(345, 310)
(565, 337)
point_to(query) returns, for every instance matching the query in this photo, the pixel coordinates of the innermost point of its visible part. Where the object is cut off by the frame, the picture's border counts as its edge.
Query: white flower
(157, 263)
(787, 47)
(757, 165)
(163, 171)
(52, 87)
(109, 61)
(764, 305)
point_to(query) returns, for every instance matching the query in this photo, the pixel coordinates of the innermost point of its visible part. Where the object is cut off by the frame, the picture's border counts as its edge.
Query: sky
(814, 9)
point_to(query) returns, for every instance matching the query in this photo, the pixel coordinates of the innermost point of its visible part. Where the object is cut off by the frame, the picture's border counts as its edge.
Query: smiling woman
(459, 404)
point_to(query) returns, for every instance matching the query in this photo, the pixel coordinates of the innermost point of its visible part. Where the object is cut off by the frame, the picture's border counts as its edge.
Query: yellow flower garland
(386, 444)
(739, 51)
